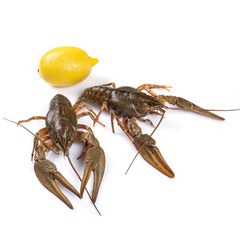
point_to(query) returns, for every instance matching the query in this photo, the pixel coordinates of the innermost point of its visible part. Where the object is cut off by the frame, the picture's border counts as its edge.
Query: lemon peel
(65, 66)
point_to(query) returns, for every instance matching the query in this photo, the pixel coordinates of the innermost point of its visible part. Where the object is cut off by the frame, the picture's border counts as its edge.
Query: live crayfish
(131, 104)
(60, 132)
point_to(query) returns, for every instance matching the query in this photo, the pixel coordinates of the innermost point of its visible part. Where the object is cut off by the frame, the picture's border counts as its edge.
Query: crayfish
(61, 131)
(130, 104)
(126, 105)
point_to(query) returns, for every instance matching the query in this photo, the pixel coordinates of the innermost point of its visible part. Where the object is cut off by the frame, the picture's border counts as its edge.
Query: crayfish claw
(186, 105)
(152, 154)
(95, 162)
(47, 173)
(86, 176)
(159, 160)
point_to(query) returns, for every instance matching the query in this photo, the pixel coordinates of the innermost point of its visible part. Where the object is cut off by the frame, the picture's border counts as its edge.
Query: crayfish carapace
(130, 104)
(61, 131)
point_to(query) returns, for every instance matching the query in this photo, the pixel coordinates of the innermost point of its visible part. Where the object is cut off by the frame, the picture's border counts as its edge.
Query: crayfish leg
(148, 87)
(123, 128)
(112, 119)
(112, 84)
(146, 120)
(83, 126)
(90, 115)
(43, 136)
(104, 106)
(31, 118)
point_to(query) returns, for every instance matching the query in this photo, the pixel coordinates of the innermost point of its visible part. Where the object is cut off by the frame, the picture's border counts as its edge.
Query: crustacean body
(60, 132)
(130, 104)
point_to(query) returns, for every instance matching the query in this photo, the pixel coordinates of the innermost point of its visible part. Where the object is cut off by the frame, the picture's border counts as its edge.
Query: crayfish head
(63, 136)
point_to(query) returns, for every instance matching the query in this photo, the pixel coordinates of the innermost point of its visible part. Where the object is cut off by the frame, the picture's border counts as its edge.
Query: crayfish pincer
(147, 148)
(128, 103)
(47, 173)
(95, 161)
(61, 131)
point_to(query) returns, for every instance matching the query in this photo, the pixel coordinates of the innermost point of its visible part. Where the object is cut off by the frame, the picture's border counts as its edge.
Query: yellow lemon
(65, 66)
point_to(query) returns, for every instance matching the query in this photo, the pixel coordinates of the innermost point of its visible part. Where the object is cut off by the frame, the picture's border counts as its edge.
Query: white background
(192, 46)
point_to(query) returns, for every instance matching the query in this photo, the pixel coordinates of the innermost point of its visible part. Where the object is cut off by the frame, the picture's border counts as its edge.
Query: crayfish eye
(57, 143)
(152, 104)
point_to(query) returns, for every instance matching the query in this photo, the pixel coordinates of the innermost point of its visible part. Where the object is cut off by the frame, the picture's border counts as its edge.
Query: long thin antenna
(214, 110)
(74, 169)
(224, 110)
(19, 124)
(145, 142)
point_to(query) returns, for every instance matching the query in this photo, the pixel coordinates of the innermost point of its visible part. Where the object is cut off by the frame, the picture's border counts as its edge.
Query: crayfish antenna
(19, 124)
